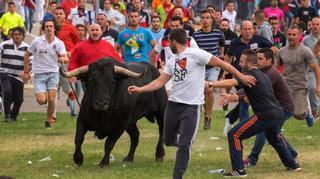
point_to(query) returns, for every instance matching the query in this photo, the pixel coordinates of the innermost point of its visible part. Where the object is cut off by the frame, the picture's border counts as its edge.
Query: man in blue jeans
(267, 117)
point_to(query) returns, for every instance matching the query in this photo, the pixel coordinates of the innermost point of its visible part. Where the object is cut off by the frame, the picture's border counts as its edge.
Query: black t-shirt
(279, 40)
(262, 99)
(229, 35)
(110, 35)
(306, 14)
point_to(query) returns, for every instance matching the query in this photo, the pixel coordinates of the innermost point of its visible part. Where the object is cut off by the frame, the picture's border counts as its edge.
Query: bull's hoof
(160, 159)
(128, 159)
(78, 159)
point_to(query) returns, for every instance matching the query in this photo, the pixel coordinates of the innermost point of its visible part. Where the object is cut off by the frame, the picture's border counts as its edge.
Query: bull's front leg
(79, 138)
(160, 147)
(134, 134)
(108, 146)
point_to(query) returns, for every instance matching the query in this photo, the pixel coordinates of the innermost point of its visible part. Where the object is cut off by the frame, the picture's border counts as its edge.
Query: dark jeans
(12, 95)
(261, 140)
(250, 127)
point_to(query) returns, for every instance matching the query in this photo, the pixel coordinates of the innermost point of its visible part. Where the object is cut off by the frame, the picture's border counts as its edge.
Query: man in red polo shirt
(70, 37)
(92, 49)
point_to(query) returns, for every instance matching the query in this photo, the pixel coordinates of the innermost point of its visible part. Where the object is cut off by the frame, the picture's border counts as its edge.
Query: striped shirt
(211, 41)
(12, 58)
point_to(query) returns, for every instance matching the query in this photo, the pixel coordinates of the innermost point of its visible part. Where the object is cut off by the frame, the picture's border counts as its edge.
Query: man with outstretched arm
(187, 68)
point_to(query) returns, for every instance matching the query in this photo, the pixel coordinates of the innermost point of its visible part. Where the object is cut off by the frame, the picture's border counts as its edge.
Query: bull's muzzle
(101, 105)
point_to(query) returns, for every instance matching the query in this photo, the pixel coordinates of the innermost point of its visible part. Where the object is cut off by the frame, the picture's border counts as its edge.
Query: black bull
(109, 110)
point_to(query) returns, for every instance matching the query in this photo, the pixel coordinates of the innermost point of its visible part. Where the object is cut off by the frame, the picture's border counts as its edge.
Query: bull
(109, 110)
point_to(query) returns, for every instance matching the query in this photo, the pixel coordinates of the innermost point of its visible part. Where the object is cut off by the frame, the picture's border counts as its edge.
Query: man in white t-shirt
(230, 14)
(187, 70)
(48, 52)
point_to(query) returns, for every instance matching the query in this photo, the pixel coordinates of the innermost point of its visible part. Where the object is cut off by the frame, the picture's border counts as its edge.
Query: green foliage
(24, 143)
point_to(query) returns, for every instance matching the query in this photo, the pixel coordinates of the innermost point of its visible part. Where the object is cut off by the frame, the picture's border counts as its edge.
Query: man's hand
(63, 59)
(25, 76)
(248, 80)
(226, 98)
(135, 90)
(318, 91)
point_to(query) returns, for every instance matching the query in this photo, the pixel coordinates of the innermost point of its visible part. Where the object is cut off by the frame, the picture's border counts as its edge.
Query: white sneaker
(227, 127)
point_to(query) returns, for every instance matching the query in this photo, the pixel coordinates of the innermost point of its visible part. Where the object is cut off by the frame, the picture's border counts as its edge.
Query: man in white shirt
(187, 70)
(48, 52)
(117, 20)
(230, 14)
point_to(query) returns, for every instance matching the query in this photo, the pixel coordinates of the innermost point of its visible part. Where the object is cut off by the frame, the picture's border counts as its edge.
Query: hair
(242, 23)
(296, 26)
(81, 25)
(203, 11)
(155, 17)
(273, 18)
(268, 53)
(179, 35)
(224, 19)
(60, 8)
(52, 2)
(301, 26)
(211, 6)
(116, 4)
(177, 18)
(134, 10)
(229, 2)
(18, 29)
(218, 10)
(259, 14)
(49, 20)
(11, 3)
(251, 56)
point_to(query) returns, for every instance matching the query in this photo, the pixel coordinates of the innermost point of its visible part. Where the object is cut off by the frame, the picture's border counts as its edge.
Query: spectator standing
(275, 11)
(230, 14)
(82, 31)
(144, 17)
(212, 41)
(67, 5)
(3, 7)
(10, 20)
(135, 39)
(116, 19)
(79, 15)
(279, 39)
(310, 41)
(164, 9)
(19, 7)
(177, 4)
(48, 52)
(156, 31)
(263, 27)
(305, 12)
(40, 9)
(229, 35)
(12, 52)
(108, 34)
(29, 8)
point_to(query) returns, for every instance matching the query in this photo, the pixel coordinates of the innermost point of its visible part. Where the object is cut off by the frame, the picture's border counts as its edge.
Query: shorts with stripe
(250, 127)
(181, 122)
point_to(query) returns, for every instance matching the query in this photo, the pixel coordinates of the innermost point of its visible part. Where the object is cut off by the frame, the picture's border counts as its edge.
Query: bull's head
(101, 82)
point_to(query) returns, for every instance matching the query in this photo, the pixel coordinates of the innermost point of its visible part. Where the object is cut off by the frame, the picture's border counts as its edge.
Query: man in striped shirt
(12, 52)
(212, 41)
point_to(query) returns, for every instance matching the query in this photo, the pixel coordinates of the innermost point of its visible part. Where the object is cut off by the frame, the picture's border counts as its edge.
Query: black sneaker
(207, 123)
(47, 125)
(235, 173)
(297, 168)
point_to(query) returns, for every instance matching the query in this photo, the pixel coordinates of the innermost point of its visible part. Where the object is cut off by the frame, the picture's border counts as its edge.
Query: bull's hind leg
(108, 146)
(79, 138)
(160, 148)
(134, 134)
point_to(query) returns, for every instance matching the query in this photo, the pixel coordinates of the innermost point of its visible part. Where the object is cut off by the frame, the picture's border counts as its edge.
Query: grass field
(24, 143)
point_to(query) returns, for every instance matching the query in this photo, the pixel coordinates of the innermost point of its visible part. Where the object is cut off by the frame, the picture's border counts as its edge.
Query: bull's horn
(77, 71)
(118, 69)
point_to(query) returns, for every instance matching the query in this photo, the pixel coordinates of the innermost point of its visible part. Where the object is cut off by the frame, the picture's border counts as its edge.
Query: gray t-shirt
(296, 62)
(187, 70)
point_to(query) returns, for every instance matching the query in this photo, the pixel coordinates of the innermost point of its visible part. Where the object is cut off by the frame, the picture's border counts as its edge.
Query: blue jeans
(312, 91)
(243, 111)
(261, 140)
(28, 18)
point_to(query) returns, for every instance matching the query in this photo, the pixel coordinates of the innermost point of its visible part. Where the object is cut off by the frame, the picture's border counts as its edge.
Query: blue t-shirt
(136, 44)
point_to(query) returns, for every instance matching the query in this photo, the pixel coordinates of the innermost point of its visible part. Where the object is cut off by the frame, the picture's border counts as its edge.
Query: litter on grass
(45, 159)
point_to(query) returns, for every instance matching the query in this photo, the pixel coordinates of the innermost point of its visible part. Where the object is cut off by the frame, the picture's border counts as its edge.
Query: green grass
(27, 140)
